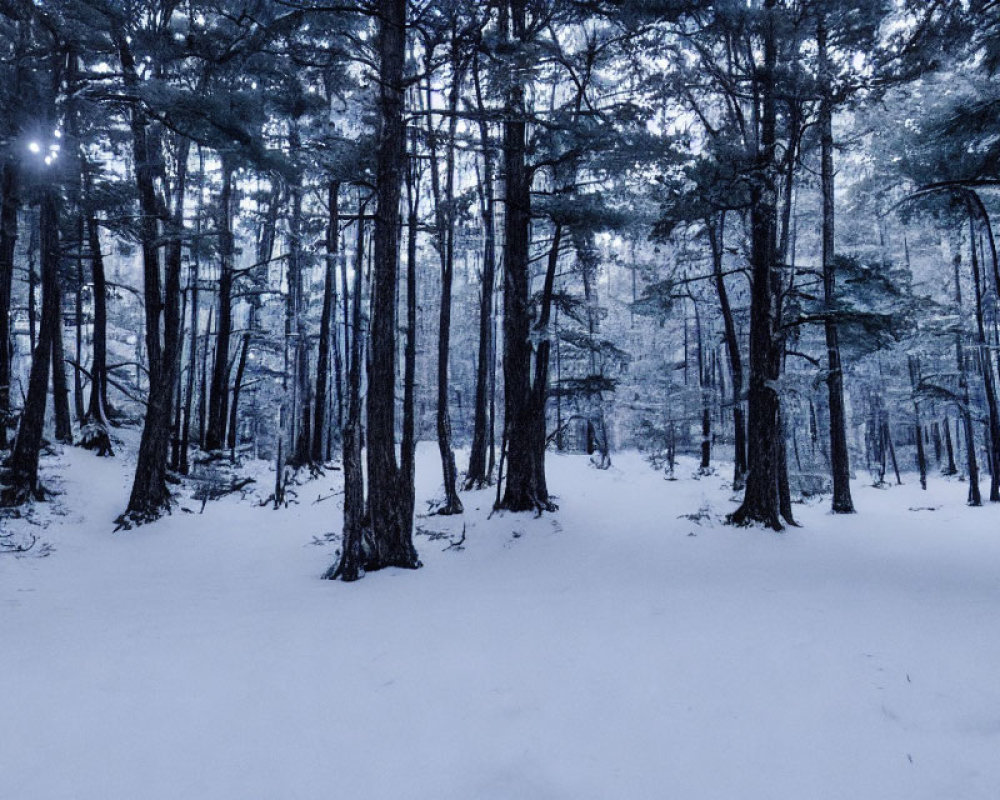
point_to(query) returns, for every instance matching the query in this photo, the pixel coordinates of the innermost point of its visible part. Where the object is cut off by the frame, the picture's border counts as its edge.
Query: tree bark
(391, 537)
(761, 498)
(21, 476)
(218, 398)
(478, 475)
(60, 387)
(989, 387)
(150, 497)
(716, 241)
(840, 468)
(327, 324)
(232, 435)
(525, 489)
(9, 203)
(445, 235)
(97, 407)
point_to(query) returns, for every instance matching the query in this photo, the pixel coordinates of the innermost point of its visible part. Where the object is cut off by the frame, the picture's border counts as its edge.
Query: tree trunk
(478, 476)
(60, 388)
(78, 403)
(192, 369)
(717, 239)
(9, 203)
(149, 496)
(232, 439)
(327, 324)
(392, 538)
(218, 398)
(761, 501)
(445, 235)
(525, 489)
(21, 476)
(409, 443)
(354, 544)
(97, 407)
(989, 387)
(840, 468)
(914, 367)
(703, 391)
(950, 468)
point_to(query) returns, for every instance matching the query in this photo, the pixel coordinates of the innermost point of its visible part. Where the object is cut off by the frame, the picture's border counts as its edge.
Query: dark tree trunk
(391, 537)
(327, 324)
(232, 439)
(914, 367)
(989, 387)
(716, 240)
(21, 476)
(150, 497)
(301, 416)
(203, 383)
(192, 368)
(703, 391)
(97, 408)
(840, 468)
(445, 236)
(408, 446)
(354, 544)
(950, 468)
(9, 203)
(525, 489)
(32, 281)
(478, 475)
(60, 387)
(175, 435)
(78, 403)
(975, 498)
(761, 498)
(218, 398)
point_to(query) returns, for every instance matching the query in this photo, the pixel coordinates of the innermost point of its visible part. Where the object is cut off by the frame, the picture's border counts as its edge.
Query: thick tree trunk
(761, 498)
(840, 468)
(10, 202)
(150, 497)
(525, 489)
(218, 398)
(20, 480)
(392, 538)
(478, 475)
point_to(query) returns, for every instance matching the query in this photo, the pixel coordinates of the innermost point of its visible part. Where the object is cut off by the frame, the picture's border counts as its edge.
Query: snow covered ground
(611, 650)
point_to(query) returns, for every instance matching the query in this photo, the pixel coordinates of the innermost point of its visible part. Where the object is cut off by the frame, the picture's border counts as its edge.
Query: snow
(613, 649)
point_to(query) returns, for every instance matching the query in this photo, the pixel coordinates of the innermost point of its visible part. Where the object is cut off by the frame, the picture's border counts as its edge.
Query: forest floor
(628, 646)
